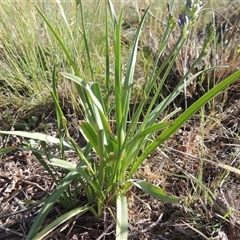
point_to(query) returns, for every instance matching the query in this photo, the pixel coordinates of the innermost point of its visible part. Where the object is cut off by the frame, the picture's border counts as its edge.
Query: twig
(164, 24)
(153, 224)
(105, 231)
(7, 230)
(147, 228)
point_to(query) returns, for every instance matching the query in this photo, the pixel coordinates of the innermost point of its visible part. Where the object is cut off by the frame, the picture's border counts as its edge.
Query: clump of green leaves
(108, 176)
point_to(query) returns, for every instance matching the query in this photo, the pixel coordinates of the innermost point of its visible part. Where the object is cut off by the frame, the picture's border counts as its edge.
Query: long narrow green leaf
(154, 76)
(154, 128)
(81, 92)
(155, 192)
(122, 217)
(197, 105)
(183, 118)
(90, 134)
(63, 164)
(50, 203)
(107, 53)
(85, 37)
(102, 161)
(60, 116)
(38, 136)
(113, 14)
(98, 116)
(95, 87)
(128, 81)
(61, 43)
(170, 98)
(8, 149)
(61, 120)
(168, 64)
(63, 218)
(85, 85)
(118, 82)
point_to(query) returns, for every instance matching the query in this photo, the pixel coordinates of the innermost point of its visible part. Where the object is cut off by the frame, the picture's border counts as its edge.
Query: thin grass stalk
(152, 81)
(51, 171)
(63, 46)
(170, 26)
(107, 78)
(118, 84)
(185, 24)
(128, 81)
(182, 81)
(62, 219)
(86, 40)
(179, 88)
(173, 55)
(67, 199)
(202, 54)
(153, 78)
(125, 102)
(102, 160)
(113, 14)
(82, 93)
(95, 192)
(61, 120)
(98, 12)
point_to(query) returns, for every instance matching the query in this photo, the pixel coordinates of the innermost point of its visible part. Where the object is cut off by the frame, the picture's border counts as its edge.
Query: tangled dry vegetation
(195, 164)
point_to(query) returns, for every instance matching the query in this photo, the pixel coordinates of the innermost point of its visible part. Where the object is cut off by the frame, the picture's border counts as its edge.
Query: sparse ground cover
(199, 164)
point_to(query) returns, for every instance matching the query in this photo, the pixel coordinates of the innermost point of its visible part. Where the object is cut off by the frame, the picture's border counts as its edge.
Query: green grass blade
(102, 163)
(197, 105)
(71, 61)
(118, 82)
(86, 86)
(107, 53)
(61, 43)
(96, 115)
(183, 118)
(8, 149)
(61, 120)
(128, 81)
(155, 191)
(85, 37)
(95, 87)
(170, 98)
(63, 218)
(37, 136)
(90, 134)
(122, 217)
(113, 14)
(154, 128)
(50, 203)
(63, 164)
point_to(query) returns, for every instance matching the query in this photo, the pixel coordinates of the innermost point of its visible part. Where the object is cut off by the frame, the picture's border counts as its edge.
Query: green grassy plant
(107, 177)
(28, 52)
